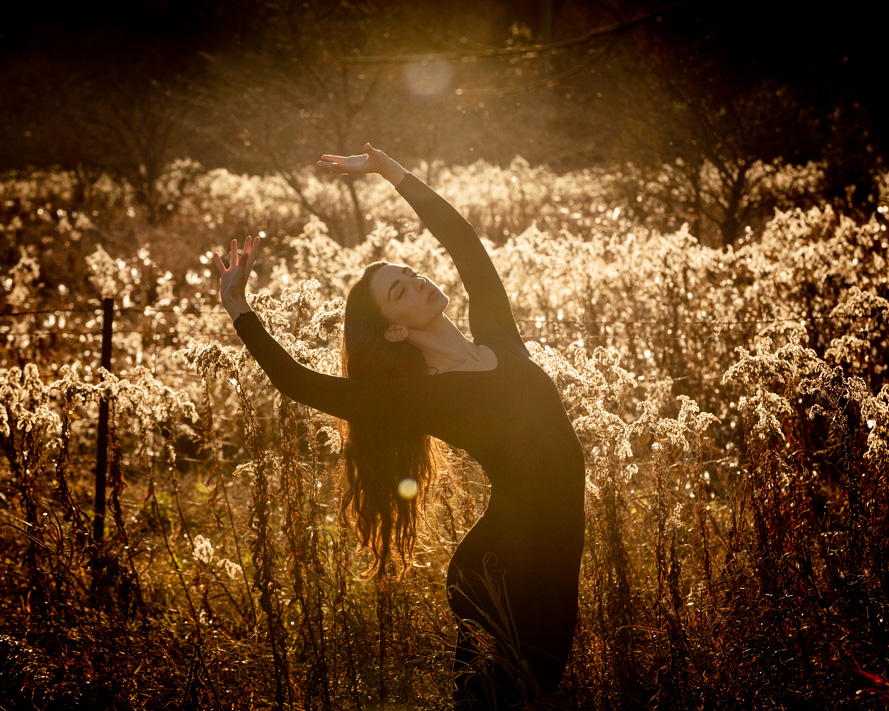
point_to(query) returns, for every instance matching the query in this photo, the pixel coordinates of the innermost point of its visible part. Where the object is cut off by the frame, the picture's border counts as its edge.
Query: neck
(444, 346)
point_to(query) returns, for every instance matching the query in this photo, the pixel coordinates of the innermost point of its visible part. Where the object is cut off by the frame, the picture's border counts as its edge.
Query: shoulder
(507, 344)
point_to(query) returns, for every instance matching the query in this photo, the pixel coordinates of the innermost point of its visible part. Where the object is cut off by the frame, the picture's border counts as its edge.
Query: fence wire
(537, 321)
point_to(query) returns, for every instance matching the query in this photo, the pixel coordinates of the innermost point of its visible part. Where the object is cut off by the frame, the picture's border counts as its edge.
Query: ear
(395, 333)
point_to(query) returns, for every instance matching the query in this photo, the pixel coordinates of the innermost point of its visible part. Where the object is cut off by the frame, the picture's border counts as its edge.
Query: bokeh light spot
(408, 488)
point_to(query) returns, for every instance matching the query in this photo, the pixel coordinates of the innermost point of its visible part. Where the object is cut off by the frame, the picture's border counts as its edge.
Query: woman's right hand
(372, 161)
(233, 280)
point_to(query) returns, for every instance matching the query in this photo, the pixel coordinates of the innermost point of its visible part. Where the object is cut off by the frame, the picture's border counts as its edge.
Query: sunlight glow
(428, 78)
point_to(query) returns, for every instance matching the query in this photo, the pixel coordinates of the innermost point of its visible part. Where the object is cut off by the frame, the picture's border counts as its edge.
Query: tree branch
(530, 51)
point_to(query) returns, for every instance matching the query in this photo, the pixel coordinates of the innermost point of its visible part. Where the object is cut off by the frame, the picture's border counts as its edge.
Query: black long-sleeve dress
(512, 421)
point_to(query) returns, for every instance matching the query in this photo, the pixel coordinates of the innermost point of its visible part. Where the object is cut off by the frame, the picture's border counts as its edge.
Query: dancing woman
(411, 374)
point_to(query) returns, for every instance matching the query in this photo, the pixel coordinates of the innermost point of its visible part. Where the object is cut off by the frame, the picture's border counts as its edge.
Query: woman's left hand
(373, 161)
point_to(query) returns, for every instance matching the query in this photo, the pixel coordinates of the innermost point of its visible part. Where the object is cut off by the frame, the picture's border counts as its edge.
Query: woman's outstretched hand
(372, 161)
(233, 280)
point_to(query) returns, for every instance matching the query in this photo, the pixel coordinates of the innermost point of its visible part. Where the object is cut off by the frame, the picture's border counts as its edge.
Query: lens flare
(427, 78)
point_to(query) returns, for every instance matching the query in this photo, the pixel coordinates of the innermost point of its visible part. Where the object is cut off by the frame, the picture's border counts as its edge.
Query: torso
(511, 419)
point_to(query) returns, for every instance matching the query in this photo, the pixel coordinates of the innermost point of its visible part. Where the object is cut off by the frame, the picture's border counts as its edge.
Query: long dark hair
(381, 455)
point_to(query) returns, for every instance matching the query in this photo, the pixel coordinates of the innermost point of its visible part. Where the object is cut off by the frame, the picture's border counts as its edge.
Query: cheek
(413, 309)
(399, 312)
(390, 313)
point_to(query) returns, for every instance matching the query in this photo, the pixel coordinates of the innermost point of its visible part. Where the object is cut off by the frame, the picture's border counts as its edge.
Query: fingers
(243, 260)
(337, 164)
(253, 253)
(329, 166)
(239, 260)
(332, 163)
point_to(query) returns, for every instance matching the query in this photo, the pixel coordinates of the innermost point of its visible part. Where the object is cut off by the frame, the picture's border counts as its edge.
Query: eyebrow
(396, 283)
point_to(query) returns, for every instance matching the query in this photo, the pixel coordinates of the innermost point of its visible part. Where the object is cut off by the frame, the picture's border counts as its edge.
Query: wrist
(393, 171)
(236, 307)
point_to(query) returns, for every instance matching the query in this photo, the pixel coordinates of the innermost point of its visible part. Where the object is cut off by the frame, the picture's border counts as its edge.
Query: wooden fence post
(102, 436)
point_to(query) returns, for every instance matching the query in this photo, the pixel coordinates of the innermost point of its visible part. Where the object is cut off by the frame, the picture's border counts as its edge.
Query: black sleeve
(346, 398)
(489, 310)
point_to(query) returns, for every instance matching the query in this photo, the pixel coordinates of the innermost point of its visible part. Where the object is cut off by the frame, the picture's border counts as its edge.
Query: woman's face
(405, 298)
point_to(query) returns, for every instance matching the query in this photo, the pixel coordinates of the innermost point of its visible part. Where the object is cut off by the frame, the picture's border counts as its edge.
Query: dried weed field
(733, 403)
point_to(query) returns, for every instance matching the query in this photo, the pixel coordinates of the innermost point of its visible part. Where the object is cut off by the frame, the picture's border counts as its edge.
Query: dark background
(266, 85)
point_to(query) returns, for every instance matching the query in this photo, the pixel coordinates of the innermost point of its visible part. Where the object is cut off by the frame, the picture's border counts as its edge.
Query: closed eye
(408, 272)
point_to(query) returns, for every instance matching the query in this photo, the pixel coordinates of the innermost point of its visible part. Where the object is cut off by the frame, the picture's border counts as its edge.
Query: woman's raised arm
(489, 310)
(346, 398)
